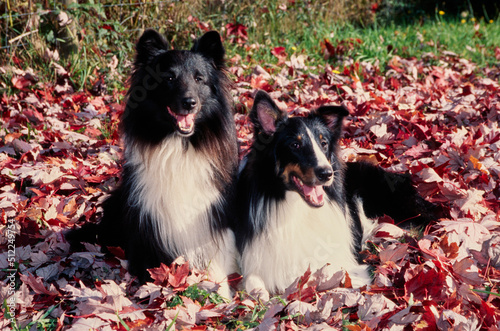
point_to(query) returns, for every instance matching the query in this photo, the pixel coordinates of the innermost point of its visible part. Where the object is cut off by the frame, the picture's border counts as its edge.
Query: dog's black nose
(324, 174)
(188, 103)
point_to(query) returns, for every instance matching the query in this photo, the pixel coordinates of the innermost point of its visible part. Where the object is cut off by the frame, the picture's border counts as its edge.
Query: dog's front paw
(225, 292)
(256, 288)
(259, 294)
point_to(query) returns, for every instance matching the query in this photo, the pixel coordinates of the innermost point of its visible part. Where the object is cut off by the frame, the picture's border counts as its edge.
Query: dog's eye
(199, 79)
(324, 143)
(295, 145)
(168, 76)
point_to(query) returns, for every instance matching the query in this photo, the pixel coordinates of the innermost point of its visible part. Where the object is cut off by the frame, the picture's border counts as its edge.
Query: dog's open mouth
(185, 123)
(313, 195)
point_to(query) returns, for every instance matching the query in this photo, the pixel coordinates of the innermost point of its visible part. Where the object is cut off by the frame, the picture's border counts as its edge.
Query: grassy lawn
(324, 31)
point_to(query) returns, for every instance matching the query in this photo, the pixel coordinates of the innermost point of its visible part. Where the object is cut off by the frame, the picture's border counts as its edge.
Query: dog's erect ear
(150, 44)
(265, 114)
(210, 46)
(333, 117)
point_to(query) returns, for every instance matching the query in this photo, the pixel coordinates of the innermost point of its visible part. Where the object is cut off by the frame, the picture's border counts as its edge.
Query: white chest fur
(297, 236)
(173, 185)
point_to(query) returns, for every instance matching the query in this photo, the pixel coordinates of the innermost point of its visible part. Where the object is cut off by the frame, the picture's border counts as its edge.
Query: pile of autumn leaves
(437, 122)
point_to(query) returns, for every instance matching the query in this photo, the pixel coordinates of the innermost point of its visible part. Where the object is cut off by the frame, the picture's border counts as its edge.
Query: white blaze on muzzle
(315, 193)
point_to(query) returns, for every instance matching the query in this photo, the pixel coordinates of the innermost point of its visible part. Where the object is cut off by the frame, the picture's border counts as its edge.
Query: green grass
(45, 322)
(378, 43)
(196, 294)
(107, 33)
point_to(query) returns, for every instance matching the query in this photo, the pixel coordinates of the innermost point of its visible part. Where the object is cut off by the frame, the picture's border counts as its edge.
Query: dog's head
(174, 86)
(304, 149)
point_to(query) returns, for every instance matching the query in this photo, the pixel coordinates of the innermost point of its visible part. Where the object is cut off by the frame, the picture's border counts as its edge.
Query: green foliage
(487, 292)
(44, 323)
(195, 294)
(122, 322)
(378, 44)
(174, 302)
(258, 313)
(106, 128)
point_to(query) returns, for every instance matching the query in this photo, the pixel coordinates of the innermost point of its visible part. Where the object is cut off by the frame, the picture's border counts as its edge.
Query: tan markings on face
(310, 177)
(307, 177)
(289, 170)
(299, 137)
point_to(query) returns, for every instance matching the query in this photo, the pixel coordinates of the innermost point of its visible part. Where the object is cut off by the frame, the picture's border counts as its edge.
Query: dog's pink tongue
(185, 121)
(314, 193)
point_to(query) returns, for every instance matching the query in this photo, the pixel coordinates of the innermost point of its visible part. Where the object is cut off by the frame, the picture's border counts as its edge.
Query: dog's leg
(224, 264)
(217, 274)
(142, 256)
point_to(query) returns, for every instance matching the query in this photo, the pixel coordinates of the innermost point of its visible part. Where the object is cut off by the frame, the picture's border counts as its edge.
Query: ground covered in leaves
(435, 118)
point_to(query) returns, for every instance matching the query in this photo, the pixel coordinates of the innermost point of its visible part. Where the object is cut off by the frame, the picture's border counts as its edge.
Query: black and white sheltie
(299, 205)
(180, 161)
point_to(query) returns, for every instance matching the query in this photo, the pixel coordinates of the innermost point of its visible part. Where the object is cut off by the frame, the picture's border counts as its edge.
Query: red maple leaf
(280, 53)
(260, 83)
(237, 32)
(160, 275)
(427, 284)
(299, 292)
(21, 82)
(34, 116)
(37, 285)
(107, 27)
(178, 275)
(117, 251)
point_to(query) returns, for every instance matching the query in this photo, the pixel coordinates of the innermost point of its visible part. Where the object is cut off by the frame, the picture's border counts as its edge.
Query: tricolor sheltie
(299, 205)
(180, 161)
